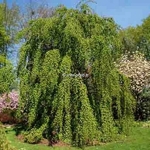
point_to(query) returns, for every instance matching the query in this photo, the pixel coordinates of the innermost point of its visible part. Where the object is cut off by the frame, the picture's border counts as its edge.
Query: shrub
(143, 105)
(8, 106)
(4, 144)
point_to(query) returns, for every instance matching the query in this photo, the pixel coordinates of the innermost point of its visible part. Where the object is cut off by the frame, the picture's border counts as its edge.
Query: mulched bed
(46, 142)
(7, 118)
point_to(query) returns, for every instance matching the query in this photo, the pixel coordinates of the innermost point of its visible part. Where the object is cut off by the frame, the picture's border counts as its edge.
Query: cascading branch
(54, 102)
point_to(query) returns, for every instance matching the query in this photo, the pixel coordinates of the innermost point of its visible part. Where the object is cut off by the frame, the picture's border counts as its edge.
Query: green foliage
(53, 99)
(138, 140)
(4, 144)
(61, 103)
(6, 68)
(35, 135)
(137, 39)
(112, 88)
(9, 16)
(143, 105)
(84, 125)
(129, 38)
(137, 68)
(6, 75)
(4, 38)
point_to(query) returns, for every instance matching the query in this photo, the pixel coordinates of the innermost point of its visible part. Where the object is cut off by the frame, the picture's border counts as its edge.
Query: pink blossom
(9, 101)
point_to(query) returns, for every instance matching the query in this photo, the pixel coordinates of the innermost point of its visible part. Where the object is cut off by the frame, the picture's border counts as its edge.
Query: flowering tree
(9, 101)
(137, 68)
(8, 106)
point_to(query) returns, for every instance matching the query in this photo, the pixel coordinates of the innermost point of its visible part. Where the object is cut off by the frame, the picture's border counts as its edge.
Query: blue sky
(125, 12)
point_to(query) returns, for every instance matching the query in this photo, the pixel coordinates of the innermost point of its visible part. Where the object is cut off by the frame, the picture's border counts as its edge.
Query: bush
(33, 138)
(8, 106)
(143, 105)
(4, 144)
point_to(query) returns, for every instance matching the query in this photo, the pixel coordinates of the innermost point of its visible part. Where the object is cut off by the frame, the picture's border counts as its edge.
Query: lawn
(138, 140)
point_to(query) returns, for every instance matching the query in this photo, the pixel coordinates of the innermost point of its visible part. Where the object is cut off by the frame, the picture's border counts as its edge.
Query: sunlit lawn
(138, 140)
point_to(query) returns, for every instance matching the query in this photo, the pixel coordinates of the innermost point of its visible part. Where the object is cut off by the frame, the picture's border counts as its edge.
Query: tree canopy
(82, 79)
(6, 68)
(57, 100)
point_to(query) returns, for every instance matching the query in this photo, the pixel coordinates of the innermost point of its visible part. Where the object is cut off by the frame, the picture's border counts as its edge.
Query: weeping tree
(70, 89)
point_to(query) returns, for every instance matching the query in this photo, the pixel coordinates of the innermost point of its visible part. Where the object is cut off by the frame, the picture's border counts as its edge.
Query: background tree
(4, 38)
(6, 75)
(34, 10)
(137, 69)
(136, 39)
(9, 22)
(135, 64)
(6, 69)
(129, 38)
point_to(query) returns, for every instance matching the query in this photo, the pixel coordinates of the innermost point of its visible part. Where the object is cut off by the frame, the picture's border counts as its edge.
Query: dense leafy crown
(60, 106)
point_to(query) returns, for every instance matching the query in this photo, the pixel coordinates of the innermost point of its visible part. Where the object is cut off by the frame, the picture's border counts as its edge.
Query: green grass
(25, 146)
(138, 140)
